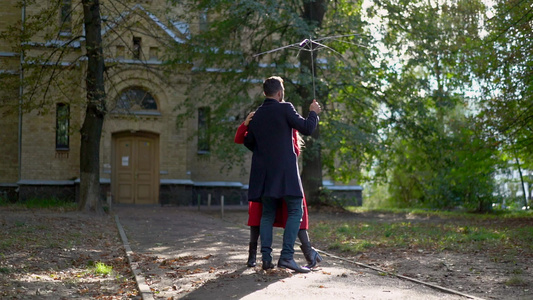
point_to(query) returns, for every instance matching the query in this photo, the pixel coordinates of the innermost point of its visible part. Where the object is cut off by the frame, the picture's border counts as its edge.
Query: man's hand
(315, 107)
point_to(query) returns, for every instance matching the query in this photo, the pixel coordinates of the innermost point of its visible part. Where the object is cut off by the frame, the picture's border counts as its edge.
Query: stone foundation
(34, 189)
(171, 192)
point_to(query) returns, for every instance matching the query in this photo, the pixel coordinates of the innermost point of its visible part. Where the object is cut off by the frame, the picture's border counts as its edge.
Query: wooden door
(135, 171)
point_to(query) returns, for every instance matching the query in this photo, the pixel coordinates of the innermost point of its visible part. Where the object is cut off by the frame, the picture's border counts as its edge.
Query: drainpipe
(21, 90)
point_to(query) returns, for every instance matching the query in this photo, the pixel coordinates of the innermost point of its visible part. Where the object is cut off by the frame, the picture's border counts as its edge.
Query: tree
(504, 66)
(232, 32)
(91, 130)
(313, 15)
(432, 133)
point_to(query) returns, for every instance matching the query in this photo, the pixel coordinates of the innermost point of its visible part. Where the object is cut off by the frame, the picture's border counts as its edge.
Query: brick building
(145, 157)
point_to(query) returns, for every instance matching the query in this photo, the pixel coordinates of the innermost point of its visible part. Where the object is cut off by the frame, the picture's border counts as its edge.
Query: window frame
(65, 17)
(137, 47)
(62, 126)
(130, 108)
(203, 136)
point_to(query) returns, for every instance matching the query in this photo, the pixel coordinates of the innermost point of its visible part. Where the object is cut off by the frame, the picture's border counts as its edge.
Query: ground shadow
(237, 284)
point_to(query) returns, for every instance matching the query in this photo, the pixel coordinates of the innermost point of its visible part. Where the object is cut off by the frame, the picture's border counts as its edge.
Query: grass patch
(48, 203)
(516, 280)
(465, 233)
(100, 268)
(495, 214)
(36, 203)
(4, 201)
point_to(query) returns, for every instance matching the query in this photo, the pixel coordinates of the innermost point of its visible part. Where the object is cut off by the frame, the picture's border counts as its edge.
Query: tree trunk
(91, 130)
(312, 161)
(312, 166)
(521, 181)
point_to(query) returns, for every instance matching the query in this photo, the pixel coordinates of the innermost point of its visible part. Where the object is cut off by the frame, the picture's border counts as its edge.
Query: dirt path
(52, 255)
(185, 254)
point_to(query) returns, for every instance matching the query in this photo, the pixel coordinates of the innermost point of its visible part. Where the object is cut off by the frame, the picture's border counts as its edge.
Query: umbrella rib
(274, 50)
(307, 45)
(324, 46)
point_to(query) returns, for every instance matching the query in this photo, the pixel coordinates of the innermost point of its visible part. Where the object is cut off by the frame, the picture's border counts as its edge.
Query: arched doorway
(135, 168)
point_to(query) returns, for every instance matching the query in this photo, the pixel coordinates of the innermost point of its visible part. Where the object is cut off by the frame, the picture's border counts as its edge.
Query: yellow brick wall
(40, 160)
(206, 167)
(8, 134)
(10, 15)
(9, 96)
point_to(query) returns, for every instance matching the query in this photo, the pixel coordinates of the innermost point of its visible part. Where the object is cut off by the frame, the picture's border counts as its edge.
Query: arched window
(135, 99)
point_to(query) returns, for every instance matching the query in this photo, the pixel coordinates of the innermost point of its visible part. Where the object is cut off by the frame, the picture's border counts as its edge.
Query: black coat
(274, 171)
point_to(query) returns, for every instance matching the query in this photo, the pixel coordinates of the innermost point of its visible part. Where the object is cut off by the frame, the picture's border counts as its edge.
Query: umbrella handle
(313, 72)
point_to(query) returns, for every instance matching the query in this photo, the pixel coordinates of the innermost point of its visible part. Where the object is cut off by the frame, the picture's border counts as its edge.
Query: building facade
(146, 156)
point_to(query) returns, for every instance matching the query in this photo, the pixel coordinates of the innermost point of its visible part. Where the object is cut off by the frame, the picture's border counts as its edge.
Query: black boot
(252, 254)
(252, 251)
(291, 264)
(311, 256)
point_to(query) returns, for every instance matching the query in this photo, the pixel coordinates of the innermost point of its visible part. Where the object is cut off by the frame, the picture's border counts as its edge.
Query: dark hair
(272, 85)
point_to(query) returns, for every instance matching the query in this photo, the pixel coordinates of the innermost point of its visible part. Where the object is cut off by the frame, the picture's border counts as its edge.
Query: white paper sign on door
(125, 161)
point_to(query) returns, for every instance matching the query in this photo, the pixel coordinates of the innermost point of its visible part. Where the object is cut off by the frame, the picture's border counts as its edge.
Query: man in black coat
(274, 175)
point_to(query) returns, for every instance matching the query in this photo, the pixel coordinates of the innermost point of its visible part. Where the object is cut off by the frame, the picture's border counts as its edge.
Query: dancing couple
(275, 190)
